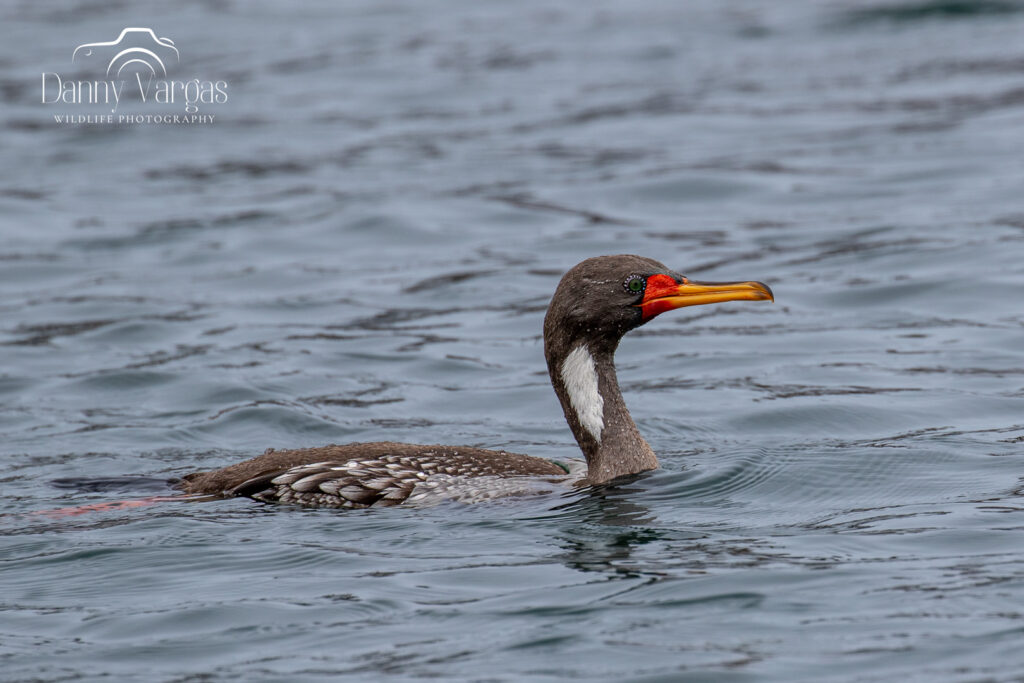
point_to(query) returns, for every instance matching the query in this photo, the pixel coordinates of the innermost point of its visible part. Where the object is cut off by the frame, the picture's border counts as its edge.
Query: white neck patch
(580, 379)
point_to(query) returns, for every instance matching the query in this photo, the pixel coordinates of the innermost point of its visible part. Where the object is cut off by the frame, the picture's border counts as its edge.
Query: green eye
(635, 284)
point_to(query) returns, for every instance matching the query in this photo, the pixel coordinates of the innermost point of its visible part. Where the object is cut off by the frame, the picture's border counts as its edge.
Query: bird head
(602, 298)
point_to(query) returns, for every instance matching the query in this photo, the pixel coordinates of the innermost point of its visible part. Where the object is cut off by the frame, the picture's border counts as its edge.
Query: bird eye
(635, 284)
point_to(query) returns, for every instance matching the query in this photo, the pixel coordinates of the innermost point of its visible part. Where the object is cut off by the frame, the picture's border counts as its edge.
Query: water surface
(361, 246)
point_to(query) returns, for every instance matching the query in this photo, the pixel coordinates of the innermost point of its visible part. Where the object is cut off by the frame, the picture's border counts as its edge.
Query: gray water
(361, 246)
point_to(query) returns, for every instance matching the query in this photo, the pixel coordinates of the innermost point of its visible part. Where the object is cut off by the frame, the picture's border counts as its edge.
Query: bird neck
(586, 384)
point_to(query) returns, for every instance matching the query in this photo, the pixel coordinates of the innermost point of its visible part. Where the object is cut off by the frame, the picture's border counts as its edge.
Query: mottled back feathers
(379, 473)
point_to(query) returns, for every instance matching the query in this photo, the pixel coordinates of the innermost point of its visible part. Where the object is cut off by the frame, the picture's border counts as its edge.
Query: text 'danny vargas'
(190, 94)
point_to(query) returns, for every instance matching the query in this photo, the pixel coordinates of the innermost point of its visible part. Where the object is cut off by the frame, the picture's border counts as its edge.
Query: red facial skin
(658, 288)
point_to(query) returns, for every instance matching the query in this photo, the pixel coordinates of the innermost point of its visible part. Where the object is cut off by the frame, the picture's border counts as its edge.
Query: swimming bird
(595, 304)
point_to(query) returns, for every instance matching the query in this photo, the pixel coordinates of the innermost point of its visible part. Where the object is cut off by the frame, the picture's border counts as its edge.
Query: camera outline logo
(136, 48)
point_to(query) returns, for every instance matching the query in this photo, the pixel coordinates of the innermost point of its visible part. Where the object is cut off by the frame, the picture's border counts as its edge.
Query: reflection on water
(362, 246)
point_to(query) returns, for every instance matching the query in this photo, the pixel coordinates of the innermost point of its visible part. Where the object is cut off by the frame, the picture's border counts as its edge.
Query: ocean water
(361, 244)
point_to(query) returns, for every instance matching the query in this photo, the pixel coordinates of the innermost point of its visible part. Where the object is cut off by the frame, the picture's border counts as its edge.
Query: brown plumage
(595, 304)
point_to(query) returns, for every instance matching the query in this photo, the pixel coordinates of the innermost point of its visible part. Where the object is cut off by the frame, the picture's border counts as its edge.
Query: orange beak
(663, 293)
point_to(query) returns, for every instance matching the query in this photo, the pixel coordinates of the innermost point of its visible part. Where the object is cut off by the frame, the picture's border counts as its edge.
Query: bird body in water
(596, 303)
